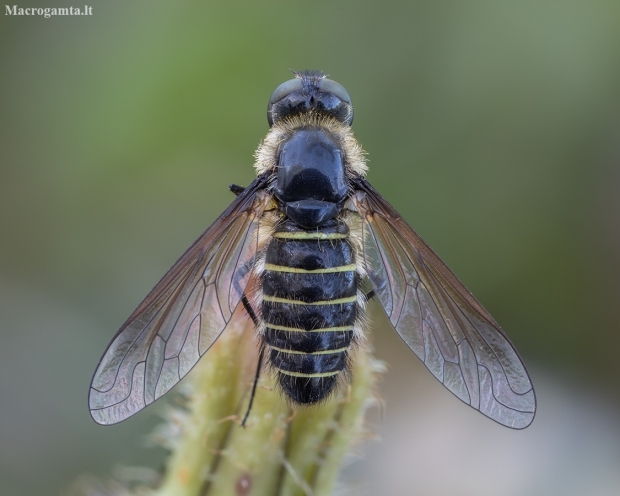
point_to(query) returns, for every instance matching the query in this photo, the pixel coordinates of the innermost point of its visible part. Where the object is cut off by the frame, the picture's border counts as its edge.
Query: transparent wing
(182, 316)
(439, 319)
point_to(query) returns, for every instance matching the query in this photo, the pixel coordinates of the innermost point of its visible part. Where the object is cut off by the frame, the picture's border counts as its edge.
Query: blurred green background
(493, 127)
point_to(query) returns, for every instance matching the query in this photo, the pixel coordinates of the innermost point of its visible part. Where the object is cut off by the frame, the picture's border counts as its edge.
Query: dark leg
(261, 352)
(241, 272)
(237, 190)
(249, 309)
(370, 295)
(252, 314)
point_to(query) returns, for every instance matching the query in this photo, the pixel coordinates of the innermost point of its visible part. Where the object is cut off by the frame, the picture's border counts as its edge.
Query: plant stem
(281, 451)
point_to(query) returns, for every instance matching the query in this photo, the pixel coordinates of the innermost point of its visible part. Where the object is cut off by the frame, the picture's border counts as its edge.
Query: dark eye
(286, 89)
(337, 89)
(310, 91)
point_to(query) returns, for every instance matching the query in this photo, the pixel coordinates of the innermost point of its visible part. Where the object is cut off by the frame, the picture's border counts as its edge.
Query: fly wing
(182, 316)
(439, 319)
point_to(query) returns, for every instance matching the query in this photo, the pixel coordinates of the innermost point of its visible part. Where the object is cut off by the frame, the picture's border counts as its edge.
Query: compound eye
(337, 89)
(310, 91)
(286, 89)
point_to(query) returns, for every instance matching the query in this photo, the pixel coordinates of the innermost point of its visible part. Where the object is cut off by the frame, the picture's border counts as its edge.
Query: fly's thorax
(311, 167)
(351, 152)
(310, 184)
(309, 307)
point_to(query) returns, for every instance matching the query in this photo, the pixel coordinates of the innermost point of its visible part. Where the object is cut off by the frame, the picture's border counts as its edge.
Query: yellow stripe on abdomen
(295, 329)
(301, 374)
(295, 352)
(297, 270)
(309, 235)
(338, 301)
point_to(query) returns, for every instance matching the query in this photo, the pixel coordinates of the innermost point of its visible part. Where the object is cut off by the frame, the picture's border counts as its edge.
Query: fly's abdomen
(309, 307)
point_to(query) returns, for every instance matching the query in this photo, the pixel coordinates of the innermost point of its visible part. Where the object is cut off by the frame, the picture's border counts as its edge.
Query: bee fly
(296, 248)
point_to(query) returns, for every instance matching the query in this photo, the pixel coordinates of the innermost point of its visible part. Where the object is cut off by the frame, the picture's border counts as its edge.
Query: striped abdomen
(309, 307)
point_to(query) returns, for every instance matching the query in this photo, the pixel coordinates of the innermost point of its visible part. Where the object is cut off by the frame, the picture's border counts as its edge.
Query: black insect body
(309, 306)
(307, 235)
(309, 281)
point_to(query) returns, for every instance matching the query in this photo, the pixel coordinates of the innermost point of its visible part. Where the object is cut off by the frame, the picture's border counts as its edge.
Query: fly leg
(249, 309)
(238, 278)
(261, 352)
(236, 189)
(248, 266)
